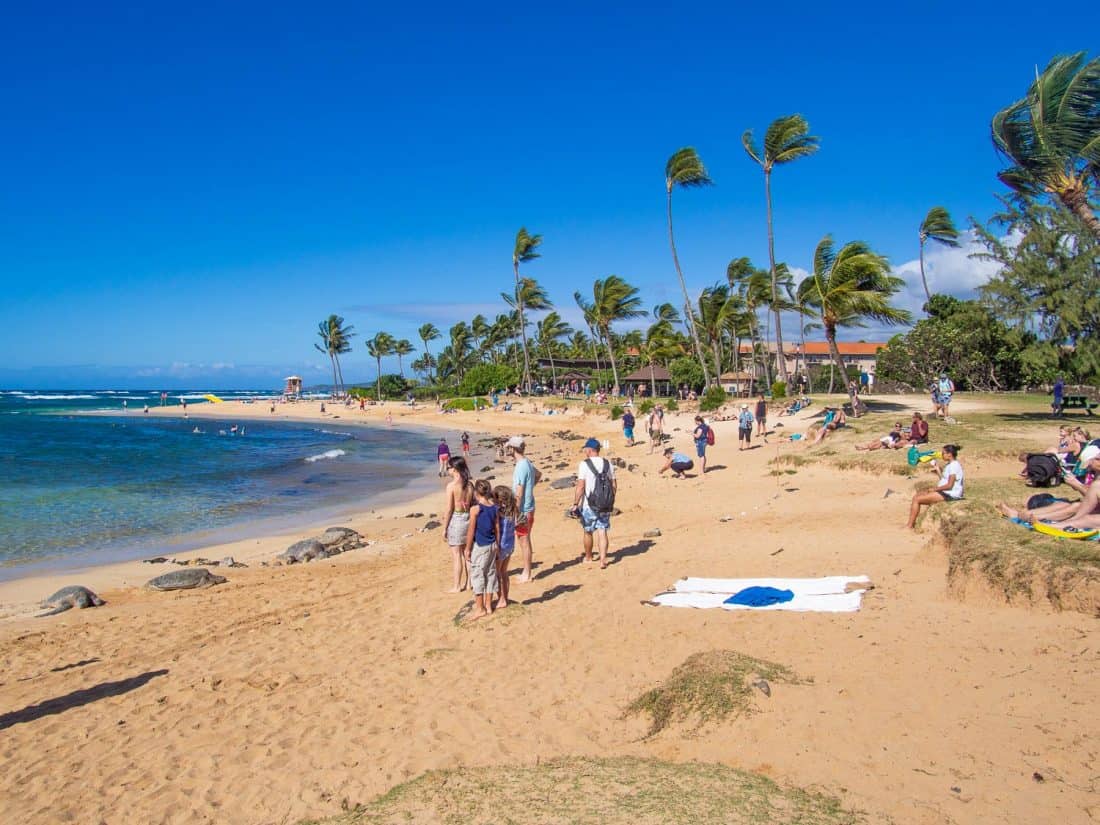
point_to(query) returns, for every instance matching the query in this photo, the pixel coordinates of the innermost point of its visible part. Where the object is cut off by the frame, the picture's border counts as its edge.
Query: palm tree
(716, 309)
(401, 349)
(786, 140)
(936, 226)
(550, 330)
(459, 351)
(523, 252)
(1052, 136)
(754, 288)
(379, 347)
(335, 341)
(428, 332)
(613, 299)
(657, 346)
(423, 365)
(667, 312)
(685, 169)
(847, 288)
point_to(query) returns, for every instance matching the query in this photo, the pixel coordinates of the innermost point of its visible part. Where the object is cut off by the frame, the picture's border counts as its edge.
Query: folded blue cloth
(760, 596)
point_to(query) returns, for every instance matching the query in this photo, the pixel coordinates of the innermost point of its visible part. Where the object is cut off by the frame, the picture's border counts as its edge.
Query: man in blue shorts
(628, 428)
(593, 522)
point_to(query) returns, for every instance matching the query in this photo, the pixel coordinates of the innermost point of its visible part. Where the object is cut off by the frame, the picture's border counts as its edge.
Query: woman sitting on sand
(834, 419)
(950, 487)
(456, 522)
(1084, 513)
(890, 441)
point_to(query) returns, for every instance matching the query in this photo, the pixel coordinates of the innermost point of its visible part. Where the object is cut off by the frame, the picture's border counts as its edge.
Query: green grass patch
(611, 791)
(708, 686)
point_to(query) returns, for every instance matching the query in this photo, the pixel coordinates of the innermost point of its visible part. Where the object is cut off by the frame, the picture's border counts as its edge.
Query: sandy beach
(294, 692)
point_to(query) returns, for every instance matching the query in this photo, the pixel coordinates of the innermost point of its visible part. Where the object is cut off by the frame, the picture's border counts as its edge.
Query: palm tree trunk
(428, 361)
(553, 369)
(652, 381)
(768, 350)
(340, 377)
(688, 316)
(614, 366)
(834, 350)
(752, 342)
(805, 367)
(332, 360)
(1078, 203)
(378, 380)
(400, 365)
(775, 286)
(923, 280)
(522, 331)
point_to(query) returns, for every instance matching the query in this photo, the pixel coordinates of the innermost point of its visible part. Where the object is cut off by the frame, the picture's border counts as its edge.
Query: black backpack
(1043, 470)
(601, 500)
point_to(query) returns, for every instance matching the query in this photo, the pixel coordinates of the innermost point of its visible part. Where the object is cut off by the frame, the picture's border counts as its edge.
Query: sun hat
(516, 442)
(592, 444)
(744, 406)
(1089, 453)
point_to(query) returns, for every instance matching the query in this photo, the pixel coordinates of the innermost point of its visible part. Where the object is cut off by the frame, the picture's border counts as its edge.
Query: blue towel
(760, 596)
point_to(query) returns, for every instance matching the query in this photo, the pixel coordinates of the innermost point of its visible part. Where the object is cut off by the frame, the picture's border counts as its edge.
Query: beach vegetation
(428, 333)
(335, 341)
(1051, 136)
(713, 398)
(646, 407)
(686, 372)
(753, 289)
(401, 348)
(847, 288)
(482, 379)
(620, 790)
(708, 687)
(779, 390)
(937, 226)
(685, 170)
(613, 300)
(786, 140)
(616, 412)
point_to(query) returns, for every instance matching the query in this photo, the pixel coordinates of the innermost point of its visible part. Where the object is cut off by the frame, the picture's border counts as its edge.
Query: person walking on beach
(628, 428)
(656, 425)
(762, 417)
(506, 545)
(465, 445)
(481, 549)
(594, 500)
(456, 520)
(524, 478)
(443, 453)
(744, 428)
(946, 388)
(702, 438)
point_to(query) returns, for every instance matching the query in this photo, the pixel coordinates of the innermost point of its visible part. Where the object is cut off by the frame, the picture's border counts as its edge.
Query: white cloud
(949, 270)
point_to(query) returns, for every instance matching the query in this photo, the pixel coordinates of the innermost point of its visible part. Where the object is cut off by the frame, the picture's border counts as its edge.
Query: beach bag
(1043, 470)
(601, 500)
(710, 436)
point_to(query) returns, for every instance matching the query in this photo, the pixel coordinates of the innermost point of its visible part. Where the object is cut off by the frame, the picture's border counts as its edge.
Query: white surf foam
(326, 454)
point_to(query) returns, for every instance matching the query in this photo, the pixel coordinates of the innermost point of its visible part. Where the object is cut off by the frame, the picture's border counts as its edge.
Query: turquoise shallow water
(98, 488)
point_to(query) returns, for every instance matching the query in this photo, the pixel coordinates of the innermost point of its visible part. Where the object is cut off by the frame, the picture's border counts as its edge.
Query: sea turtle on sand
(340, 539)
(302, 551)
(69, 597)
(188, 579)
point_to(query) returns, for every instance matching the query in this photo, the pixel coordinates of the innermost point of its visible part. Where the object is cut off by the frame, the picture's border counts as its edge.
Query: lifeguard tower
(293, 389)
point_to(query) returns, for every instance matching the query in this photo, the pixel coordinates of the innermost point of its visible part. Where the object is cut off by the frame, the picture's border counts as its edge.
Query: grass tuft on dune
(576, 791)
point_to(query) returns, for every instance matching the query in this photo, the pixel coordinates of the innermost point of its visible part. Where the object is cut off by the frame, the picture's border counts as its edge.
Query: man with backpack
(594, 499)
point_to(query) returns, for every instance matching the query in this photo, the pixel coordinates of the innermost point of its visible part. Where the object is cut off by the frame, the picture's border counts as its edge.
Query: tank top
(507, 533)
(485, 531)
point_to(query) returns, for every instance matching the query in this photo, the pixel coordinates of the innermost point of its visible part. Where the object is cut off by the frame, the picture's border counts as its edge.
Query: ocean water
(85, 489)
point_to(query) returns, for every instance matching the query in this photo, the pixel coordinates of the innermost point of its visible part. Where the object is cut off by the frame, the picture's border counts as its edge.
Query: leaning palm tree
(428, 332)
(658, 345)
(1052, 136)
(716, 309)
(685, 169)
(848, 287)
(937, 226)
(401, 349)
(523, 252)
(379, 347)
(787, 139)
(324, 333)
(335, 341)
(613, 299)
(550, 331)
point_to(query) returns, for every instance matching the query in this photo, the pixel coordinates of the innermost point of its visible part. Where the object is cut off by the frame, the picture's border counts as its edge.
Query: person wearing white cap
(744, 428)
(524, 478)
(1083, 514)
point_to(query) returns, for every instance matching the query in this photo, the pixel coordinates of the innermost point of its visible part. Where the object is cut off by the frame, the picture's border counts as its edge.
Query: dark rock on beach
(563, 483)
(432, 525)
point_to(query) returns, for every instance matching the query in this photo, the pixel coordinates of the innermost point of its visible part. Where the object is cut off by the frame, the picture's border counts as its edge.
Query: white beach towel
(800, 587)
(802, 602)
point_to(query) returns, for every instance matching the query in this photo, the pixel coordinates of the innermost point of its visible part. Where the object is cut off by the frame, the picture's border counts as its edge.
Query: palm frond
(938, 226)
(686, 169)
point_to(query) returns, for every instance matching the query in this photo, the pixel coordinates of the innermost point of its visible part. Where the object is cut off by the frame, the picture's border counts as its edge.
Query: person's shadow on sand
(78, 698)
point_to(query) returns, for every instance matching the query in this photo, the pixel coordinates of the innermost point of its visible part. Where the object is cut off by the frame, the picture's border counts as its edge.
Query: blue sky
(189, 190)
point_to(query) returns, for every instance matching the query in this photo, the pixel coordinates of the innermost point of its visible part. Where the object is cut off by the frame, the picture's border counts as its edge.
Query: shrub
(686, 371)
(485, 378)
(712, 399)
(645, 407)
(672, 405)
(779, 390)
(616, 413)
(466, 404)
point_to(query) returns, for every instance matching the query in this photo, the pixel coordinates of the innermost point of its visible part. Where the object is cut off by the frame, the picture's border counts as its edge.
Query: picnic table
(1078, 402)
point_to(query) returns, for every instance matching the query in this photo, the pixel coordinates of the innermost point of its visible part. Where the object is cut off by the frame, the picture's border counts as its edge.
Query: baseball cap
(1089, 453)
(592, 444)
(516, 442)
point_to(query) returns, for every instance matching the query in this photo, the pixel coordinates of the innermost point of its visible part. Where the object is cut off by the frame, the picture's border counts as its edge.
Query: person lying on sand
(890, 441)
(1083, 513)
(833, 420)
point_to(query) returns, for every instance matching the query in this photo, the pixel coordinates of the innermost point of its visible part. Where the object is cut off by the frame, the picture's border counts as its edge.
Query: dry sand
(288, 691)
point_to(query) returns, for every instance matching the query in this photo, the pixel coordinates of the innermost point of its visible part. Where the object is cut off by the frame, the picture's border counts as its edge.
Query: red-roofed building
(862, 354)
